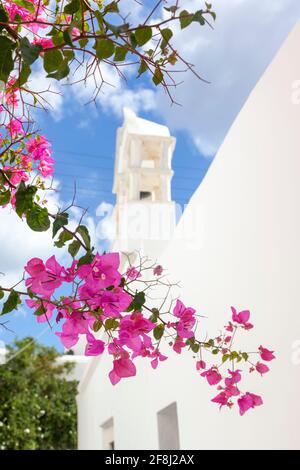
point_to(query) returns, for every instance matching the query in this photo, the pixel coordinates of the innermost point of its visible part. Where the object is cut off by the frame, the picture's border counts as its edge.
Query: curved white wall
(249, 254)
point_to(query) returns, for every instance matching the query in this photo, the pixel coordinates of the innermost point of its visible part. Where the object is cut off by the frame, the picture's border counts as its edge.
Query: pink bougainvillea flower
(133, 274)
(69, 335)
(187, 319)
(15, 128)
(229, 327)
(133, 331)
(241, 318)
(157, 357)
(235, 377)
(158, 270)
(103, 271)
(178, 345)
(221, 399)
(266, 354)
(45, 279)
(112, 302)
(232, 391)
(200, 365)
(46, 167)
(247, 401)
(122, 368)
(74, 325)
(46, 43)
(262, 368)
(11, 94)
(75, 32)
(94, 347)
(212, 375)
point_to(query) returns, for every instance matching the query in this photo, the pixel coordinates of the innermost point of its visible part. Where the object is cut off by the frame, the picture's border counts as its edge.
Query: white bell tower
(144, 215)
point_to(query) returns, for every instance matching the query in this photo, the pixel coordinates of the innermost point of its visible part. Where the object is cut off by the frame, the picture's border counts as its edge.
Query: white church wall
(249, 256)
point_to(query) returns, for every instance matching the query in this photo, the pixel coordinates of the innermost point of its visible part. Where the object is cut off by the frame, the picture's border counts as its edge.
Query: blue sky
(85, 156)
(248, 33)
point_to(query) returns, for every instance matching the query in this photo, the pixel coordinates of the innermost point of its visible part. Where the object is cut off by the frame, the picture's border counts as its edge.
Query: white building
(3, 353)
(245, 251)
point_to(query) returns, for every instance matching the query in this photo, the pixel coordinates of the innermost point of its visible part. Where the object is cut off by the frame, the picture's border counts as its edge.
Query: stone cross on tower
(144, 215)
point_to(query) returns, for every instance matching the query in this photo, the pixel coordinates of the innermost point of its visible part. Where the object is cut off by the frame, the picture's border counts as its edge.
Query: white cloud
(114, 94)
(232, 57)
(18, 243)
(50, 91)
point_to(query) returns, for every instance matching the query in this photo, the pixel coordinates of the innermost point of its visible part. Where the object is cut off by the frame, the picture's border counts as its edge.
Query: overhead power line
(112, 159)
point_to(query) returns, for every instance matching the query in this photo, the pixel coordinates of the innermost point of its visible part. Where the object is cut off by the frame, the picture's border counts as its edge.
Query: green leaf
(225, 358)
(133, 41)
(84, 233)
(193, 345)
(58, 38)
(73, 248)
(6, 60)
(120, 54)
(24, 4)
(137, 302)
(97, 325)
(1, 293)
(62, 72)
(53, 59)
(86, 259)
(11, 303)
(38, 219)
(4, 197)
(83, 42)
(64, 237)
(24, 198)
(69, 55)
(100, 20)
(245, 356)
(198, 17)
(185, 18)
(153, 318)
(171, 9)
(41, 310)
(111, 324)
(24, 74)
(3, 16)
(104, 48)
(112, 7)
(209, 343)
(60, 221)
(213, 15)
(72, 7)
(158, 331)
(143, 35)
(234, 355)
(167, 34)
(68, 37)
(29, 52)
(142, 68)
(158, 76)
(117, 30)
(215, 351)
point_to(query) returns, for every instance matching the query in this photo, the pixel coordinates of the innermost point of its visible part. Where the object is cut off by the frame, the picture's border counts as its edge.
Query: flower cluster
(30, 12)
(24, 154)
(227, 384)
(114, 318)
